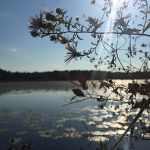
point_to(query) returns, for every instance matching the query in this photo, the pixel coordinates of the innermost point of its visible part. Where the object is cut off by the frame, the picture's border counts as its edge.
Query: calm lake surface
(33, 114)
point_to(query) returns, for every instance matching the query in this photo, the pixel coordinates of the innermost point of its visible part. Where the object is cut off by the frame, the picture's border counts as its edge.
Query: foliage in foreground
(117, 42)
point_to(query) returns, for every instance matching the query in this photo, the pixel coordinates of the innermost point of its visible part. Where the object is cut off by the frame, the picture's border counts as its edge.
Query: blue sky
(19, 51)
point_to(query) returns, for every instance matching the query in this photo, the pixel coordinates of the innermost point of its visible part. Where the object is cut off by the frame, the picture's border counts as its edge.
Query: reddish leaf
(78, 92)
(82, 80)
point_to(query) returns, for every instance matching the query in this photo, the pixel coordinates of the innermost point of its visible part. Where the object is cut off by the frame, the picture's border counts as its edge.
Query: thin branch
(145, 16)
(133, 122)
(144, 62)
(116, 54)
(101, 33)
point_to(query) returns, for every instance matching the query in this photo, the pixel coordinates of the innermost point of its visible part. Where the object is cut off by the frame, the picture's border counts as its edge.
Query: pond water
(37, 118)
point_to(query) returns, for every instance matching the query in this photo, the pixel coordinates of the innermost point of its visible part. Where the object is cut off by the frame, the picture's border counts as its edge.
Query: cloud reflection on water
(73, 122)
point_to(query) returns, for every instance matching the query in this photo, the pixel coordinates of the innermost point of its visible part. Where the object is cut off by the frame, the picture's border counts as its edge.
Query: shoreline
(44, 85)
(36, 85)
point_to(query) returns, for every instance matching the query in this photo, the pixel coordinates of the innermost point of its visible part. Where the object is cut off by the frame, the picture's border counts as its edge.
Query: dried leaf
(69, 23)
(79, 37)
(93, 1)
(99, 99)
(130, 31)
(133, 88)
(78, 92)
(147, 27)
(145, 89)
(137, 105)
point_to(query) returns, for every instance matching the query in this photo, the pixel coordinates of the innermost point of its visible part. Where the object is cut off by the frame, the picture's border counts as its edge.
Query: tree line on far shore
(69, 75)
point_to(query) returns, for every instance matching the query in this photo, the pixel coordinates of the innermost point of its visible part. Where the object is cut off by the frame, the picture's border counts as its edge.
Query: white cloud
(5, 15)
(13, 49)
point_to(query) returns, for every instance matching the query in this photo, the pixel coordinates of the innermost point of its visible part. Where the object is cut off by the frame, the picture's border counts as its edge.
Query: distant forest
(69, 75)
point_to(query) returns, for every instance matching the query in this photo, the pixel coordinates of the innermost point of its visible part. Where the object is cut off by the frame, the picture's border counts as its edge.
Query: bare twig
(133, 122)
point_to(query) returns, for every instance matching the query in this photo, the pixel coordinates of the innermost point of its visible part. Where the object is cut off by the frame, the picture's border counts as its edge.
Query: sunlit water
(39, 119)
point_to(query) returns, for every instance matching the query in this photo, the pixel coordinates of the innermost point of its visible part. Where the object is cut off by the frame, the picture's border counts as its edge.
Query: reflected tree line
(69, 75)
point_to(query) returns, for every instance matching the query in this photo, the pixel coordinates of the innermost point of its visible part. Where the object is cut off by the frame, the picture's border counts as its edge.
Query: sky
(20, 52)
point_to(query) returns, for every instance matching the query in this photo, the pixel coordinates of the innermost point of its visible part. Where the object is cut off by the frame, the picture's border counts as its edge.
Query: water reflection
(38, 119)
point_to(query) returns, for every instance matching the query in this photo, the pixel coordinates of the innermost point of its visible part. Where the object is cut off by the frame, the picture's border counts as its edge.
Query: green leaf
(147, 27)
